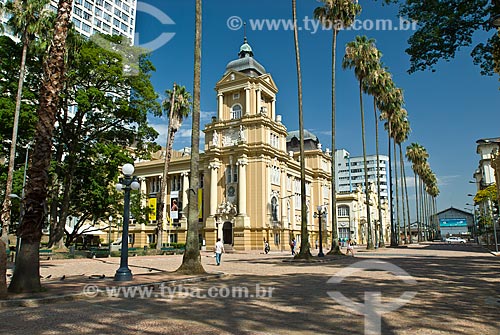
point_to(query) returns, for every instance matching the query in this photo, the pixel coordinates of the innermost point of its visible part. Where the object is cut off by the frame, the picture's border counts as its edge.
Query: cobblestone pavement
(456, 291)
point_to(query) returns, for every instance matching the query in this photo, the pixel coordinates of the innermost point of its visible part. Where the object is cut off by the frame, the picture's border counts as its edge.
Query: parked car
(454, 239)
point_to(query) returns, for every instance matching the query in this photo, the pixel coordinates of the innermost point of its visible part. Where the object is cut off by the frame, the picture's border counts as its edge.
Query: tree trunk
(394, 240)
(26, 276)
(407, 232)
(416, 207)
(403, 193)
(335, 231)
(305, 249)
(381, 242)
(164, 180)
(3, 270)
(369, 240)
(10, 172)
(398, 221)
(191, 261)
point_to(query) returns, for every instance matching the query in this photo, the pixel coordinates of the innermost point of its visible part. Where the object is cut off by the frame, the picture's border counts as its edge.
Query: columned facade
(249, 189)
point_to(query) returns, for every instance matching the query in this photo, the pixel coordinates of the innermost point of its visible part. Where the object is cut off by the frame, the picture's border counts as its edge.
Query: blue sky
(449, 109)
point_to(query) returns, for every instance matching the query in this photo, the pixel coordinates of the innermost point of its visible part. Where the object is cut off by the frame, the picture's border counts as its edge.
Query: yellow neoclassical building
(249, 171)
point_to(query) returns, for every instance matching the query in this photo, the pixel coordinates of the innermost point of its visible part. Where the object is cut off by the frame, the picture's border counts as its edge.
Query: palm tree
(336, 14)
(28, 18)
(178, 107)
(26, 277)
(417, 155)
(362, 55)
(401, 136)
(191, 261)
(378, 85)
(305, 251)
(389, 104)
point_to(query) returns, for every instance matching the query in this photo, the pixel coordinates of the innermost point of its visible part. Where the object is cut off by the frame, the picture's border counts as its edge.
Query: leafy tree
(336, 14)
(26, 277)
(104, 112)
(191, 261)
(178, 107)
(446, 26)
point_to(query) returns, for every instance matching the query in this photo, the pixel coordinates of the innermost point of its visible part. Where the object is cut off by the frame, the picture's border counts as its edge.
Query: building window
(231, 174)
(236, 112)
(343, 211)
(176, 183)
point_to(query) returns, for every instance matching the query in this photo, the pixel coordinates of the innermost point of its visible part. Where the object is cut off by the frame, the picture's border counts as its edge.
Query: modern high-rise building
(111, 17)
(350, 172)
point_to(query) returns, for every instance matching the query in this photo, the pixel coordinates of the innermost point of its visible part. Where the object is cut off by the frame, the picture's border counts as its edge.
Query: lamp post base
(321, 254)
(123, 274)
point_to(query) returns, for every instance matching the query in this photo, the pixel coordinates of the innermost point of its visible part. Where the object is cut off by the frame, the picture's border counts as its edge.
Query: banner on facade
(152, 209)
(452, 222)
(200, 204)
(174, 205)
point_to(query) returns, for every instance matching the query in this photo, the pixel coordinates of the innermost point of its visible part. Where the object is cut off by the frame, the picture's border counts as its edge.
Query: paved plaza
(446, 289)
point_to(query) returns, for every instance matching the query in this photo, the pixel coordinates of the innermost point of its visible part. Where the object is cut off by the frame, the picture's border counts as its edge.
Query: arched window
(236, 112)
(274, 208)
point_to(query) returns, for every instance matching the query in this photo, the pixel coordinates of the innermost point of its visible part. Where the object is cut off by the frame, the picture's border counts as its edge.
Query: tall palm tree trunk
(369, 241)
(335, 233)
(381, 242)
(398, 221)
(164, 180)
(394, 239)
(304, 238)
(191, 261)
(416, 207)
(12, 157)
(26, 277)
(403, 193)
(407, 232)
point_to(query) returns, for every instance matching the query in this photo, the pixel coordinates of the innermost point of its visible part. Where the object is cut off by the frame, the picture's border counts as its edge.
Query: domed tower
(242, 142)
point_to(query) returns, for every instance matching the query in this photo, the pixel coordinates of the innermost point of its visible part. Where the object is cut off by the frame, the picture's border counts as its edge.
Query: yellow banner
(200, 203)
(152, 207)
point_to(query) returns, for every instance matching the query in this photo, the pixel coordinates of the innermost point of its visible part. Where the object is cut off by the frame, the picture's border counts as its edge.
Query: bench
(97, 253)
(172, 250)
(45, 253)
(132, 251)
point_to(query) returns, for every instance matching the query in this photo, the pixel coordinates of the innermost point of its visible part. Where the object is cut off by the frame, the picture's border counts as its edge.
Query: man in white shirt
(219, 249)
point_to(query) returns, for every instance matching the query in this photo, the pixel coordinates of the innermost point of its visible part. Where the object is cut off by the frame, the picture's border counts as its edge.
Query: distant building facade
(110, 17)
(350, 172)
(454, 222)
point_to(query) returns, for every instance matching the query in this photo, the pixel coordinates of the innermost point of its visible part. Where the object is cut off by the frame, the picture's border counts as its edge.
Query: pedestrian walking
(266, 247)
(219, 249)
(292, 245)
(350, 248)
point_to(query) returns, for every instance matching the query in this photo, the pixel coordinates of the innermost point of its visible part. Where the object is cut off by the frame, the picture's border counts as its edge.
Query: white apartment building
(111, 17)
(485, 174)
(350, 172)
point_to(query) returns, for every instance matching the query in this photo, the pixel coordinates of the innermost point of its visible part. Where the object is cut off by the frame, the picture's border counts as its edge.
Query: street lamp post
(127, 183)
(109, 234)
(320, 213)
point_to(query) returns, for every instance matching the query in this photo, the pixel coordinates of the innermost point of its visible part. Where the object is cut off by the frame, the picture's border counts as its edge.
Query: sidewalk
(71, 279)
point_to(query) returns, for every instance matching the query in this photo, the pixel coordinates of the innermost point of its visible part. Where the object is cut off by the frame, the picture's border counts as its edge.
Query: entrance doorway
(227, 232)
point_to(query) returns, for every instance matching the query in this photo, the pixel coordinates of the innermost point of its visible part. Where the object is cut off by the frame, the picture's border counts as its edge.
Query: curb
(36, 302)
